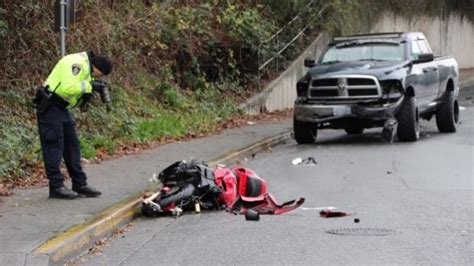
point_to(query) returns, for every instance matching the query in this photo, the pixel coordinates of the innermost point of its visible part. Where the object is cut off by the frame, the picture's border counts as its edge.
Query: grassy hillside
(181, 69)
(181, 66)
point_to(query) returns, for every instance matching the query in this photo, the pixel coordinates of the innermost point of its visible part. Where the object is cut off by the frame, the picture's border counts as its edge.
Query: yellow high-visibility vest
(71, 77)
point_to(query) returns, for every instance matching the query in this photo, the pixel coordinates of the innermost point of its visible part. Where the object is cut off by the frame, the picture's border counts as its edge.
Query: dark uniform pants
(59, 140)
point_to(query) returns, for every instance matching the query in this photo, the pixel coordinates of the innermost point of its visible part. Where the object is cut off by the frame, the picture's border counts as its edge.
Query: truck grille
(345, 87)
(324, 82)
(324, 93)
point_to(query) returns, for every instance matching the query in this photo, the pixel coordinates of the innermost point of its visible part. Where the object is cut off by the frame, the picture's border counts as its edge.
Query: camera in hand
(100, 86)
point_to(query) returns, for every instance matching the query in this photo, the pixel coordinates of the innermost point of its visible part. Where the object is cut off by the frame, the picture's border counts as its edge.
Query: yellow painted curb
(77, 237)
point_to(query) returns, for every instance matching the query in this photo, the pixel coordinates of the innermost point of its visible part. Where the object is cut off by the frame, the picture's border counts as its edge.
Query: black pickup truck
(377, 80)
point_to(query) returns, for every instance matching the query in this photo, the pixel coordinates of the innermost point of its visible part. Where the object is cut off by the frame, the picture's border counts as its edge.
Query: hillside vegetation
(182, 67)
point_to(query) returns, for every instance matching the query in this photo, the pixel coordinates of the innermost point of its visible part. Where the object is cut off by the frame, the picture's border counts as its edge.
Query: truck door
(431, 71)
(428, 74)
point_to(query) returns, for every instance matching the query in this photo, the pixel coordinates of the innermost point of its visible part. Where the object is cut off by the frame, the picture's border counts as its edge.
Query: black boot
(62, 193)
(87, 191)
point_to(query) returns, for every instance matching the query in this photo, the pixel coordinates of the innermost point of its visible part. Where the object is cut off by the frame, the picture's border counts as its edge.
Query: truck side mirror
(424, 58)
(309, 62)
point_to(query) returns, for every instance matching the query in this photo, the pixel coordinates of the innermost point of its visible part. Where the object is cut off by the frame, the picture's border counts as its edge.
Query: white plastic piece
(318, 208)
(154, 178)
(297, 161)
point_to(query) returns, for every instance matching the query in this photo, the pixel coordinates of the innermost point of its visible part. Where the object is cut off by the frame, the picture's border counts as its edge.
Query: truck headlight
(392, 89)
(302, 89)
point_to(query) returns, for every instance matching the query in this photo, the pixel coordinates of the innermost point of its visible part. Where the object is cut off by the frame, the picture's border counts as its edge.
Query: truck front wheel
(305, 132)
(408, 120)
(447, 113)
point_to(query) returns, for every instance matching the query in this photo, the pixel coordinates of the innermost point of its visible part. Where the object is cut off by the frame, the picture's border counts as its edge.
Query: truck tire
(447, 113)
(354, 130)
(304, 132)
(408, 120)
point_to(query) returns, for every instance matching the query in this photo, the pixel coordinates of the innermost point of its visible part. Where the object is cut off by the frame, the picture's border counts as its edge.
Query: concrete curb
(78, 238)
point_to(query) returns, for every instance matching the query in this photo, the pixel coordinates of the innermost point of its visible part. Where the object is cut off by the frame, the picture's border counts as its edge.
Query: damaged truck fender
(366, 81)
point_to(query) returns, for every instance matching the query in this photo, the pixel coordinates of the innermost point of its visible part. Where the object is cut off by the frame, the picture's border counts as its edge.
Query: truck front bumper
(320, 113)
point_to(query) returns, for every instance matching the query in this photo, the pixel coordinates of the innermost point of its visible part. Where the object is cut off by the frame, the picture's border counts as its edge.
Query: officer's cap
(104, 63)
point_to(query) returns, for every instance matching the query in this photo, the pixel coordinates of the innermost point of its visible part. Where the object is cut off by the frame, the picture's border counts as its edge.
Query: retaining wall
(452, 35)
(280, 94)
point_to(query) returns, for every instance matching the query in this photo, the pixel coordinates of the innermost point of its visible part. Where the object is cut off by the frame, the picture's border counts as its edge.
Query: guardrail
(275, 39)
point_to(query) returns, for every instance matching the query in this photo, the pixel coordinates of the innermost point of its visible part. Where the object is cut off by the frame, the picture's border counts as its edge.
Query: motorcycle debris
(297, 161)
(153, 179)
(252, 215)
(389, 131)
(176, 211)
(310, 161)
(333, 214)
(318, 208)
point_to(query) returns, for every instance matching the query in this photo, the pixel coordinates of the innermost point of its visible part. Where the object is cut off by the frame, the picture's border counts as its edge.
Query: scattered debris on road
(333, 214)
(310, 161)
(251, 215)
(318, 208)
(329, 212)
(362, 231)
(389, 131)
(297, 161)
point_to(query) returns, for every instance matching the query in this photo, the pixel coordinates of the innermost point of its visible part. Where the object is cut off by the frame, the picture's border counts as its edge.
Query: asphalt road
(415, 202)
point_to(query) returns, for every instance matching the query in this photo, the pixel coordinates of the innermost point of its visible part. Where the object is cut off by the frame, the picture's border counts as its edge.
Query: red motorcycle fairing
(243, 189)
(251, 187)
(227, 182)
(271, 206)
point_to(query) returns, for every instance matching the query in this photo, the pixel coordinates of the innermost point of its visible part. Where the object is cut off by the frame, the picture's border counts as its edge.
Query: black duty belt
(58, 101)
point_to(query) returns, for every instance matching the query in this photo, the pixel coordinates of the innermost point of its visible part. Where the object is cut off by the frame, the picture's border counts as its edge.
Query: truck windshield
(355, 51)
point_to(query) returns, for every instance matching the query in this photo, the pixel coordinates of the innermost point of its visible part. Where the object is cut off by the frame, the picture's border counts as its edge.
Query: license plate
(341, 110)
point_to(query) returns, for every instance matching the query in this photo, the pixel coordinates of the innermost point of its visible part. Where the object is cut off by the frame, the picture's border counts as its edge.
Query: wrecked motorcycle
(194, 185)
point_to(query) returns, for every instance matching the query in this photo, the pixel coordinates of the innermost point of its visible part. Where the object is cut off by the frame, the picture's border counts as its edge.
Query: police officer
(71, 83)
